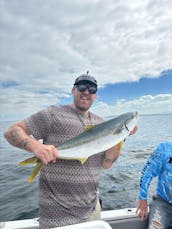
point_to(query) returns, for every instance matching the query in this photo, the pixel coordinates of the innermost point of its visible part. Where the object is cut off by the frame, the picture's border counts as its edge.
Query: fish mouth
(130, 125)
(126, 127)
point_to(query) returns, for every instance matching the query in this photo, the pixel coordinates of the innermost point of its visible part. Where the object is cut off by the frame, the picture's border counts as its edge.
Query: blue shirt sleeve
(151, 169)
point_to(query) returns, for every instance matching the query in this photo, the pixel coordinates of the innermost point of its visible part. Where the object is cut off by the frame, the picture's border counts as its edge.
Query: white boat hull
(111, 219)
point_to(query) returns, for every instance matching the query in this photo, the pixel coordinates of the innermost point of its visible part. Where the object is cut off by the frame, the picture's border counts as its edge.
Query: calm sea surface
(118, 186)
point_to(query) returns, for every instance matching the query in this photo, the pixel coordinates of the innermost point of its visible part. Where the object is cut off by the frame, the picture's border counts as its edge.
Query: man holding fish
(76, 144)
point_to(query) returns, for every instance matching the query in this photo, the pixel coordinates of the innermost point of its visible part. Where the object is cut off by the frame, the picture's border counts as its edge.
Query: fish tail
(31, 160)
(35, 171)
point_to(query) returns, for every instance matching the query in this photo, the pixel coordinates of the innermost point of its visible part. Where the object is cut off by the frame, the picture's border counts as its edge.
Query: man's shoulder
(59, 108)
(165, 147)
(165, 144)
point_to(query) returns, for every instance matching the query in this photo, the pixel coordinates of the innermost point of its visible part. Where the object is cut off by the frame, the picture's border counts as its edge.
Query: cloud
(45, 46)
(147, 104)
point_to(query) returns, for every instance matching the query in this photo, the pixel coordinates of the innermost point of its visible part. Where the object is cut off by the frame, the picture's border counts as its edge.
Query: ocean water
(118, 186)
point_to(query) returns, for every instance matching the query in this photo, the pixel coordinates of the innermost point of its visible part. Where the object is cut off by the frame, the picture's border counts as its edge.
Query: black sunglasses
(82, 88)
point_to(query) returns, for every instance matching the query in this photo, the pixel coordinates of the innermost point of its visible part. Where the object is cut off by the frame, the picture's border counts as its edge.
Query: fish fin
(28, 161)
(117, 131)
(120, 144)
(88, 127)
(35, 172)
(81, 159)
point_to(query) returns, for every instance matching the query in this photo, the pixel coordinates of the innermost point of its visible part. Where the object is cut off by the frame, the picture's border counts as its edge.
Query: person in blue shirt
(159, 165)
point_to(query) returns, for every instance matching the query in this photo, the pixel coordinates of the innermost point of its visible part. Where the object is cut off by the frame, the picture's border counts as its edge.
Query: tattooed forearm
(13, 135)
(23, 144)
(17, 137)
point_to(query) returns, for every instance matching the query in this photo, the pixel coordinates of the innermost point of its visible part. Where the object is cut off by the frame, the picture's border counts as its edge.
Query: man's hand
(142, 209)
(134, 130)
(45, 153)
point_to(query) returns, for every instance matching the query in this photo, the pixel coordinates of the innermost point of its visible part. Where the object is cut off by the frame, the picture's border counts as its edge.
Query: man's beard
(83, 108)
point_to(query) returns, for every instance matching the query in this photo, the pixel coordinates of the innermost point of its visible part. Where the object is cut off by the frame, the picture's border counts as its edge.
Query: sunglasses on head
(82, 88)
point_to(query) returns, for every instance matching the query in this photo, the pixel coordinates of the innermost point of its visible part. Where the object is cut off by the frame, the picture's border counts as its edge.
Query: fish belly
(93, 147)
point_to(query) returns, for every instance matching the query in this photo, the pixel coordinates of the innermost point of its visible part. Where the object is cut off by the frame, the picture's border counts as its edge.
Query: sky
(125, 45)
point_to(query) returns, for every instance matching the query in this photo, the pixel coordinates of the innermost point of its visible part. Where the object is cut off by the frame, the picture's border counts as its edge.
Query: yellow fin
(28, 161)
(81, 159)
(35, 172)
(117, 131)
(120, 145)
(88, 127)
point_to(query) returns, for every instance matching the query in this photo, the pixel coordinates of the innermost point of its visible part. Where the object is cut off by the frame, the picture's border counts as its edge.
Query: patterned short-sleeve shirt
(67, 189)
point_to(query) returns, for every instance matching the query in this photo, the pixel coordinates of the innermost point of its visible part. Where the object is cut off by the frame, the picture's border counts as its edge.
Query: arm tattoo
(16, 139)
(23, 144)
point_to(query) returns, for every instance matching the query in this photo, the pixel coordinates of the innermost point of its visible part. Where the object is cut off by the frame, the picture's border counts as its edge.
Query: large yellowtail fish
(94, 140)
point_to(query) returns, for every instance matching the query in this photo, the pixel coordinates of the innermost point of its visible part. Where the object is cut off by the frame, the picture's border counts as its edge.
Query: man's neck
(82, 112)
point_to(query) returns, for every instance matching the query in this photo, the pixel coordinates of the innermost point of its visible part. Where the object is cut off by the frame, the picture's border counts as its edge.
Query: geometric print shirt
(67, 188)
